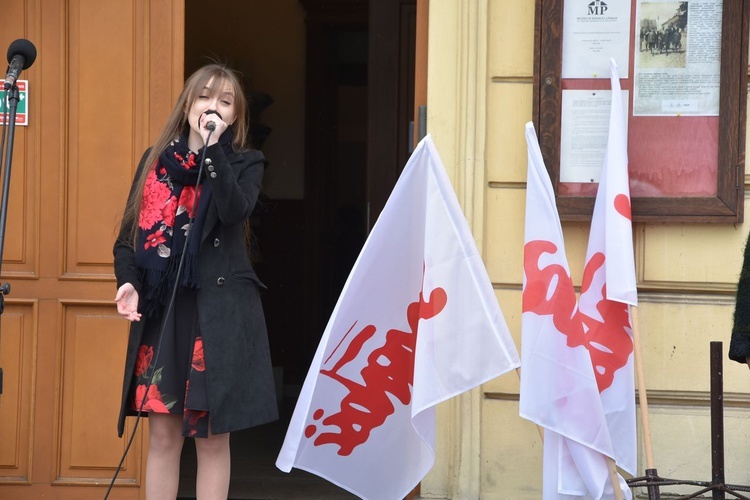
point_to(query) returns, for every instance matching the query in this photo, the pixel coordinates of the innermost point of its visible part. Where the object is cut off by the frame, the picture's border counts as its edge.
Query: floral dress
(177, 375)
(169, 375)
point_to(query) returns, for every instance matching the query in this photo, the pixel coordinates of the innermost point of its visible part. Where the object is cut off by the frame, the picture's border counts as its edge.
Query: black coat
(239, 378)
(739, 347)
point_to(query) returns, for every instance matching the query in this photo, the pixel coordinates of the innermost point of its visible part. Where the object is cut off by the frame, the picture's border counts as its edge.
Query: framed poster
(683, 72)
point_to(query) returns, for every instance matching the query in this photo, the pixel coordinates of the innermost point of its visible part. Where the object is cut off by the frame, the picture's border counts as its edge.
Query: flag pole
(612, 468)
(642, 397)
(613, 477)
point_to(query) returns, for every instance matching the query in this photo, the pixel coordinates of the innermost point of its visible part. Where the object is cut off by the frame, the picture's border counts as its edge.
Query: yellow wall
(479, 98)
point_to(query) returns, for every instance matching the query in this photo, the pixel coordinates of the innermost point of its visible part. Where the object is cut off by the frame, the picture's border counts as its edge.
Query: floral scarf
(170, 200)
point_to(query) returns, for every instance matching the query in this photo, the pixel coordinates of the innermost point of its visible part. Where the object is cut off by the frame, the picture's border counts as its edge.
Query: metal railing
(652, 482)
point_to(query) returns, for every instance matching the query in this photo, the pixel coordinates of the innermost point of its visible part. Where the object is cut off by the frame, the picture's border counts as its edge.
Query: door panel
(94, 339)
(104, 80)
(16, 402)
(99, 92)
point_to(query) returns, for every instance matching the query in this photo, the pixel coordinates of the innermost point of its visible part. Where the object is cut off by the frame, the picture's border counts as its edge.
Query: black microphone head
(25, 48)
(213, 112)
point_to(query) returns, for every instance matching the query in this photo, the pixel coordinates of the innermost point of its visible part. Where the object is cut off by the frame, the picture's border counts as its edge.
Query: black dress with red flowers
(170, 374)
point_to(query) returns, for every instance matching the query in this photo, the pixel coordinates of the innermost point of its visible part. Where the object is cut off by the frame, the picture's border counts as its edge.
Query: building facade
(105, 79)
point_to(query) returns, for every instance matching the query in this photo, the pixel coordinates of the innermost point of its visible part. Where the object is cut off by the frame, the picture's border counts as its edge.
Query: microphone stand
(11, 99)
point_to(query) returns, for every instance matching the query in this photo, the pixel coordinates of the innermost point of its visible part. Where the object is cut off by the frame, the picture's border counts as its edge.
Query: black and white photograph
(662, 35)
(677, 58)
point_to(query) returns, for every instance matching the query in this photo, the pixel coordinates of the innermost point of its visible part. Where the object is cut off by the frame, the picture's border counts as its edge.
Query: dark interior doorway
(358, 101)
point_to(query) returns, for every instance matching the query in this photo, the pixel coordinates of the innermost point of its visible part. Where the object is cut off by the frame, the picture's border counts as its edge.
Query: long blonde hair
(177, 124)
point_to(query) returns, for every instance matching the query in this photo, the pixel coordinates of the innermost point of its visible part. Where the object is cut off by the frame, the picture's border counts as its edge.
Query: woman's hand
(127, 302)
(219, 127)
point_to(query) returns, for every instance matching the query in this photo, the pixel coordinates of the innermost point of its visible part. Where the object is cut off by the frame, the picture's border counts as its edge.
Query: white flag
(608, 288)
(558, 386)
(416, 323)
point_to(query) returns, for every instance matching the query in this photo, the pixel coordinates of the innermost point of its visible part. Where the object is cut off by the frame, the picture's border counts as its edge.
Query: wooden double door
(100, 88)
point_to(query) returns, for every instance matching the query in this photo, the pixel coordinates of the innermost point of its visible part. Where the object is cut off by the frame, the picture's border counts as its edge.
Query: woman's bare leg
(164, 448)
(214, 467)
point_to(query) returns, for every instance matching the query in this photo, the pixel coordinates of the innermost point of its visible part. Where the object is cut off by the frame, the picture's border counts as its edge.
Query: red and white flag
(417, 323)
(558, 386)
(608, 288)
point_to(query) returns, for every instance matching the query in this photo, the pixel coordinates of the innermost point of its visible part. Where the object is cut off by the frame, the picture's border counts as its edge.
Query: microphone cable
(6, 140)
(5, 125)
(5, 105)
(164, 317)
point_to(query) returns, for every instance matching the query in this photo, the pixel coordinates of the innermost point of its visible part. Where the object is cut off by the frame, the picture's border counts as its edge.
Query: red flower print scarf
(170, 200)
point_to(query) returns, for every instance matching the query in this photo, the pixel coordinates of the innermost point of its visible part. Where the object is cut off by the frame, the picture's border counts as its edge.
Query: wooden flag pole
(642, 397)
(613, 477)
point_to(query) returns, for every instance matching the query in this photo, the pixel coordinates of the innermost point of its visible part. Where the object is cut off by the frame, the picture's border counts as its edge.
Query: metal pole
(12, 96)
(653, 489)
(717, 422)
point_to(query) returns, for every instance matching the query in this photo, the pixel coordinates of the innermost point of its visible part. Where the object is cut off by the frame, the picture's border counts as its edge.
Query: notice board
(683, 71)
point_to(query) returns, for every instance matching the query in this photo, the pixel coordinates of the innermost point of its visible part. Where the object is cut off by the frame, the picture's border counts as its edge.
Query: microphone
(21, 55)
(211, 125)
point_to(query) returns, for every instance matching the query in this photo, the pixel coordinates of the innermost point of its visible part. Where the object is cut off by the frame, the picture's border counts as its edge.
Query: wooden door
(391, 98)
(374, 138)
(104, 79)
(336, 117)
